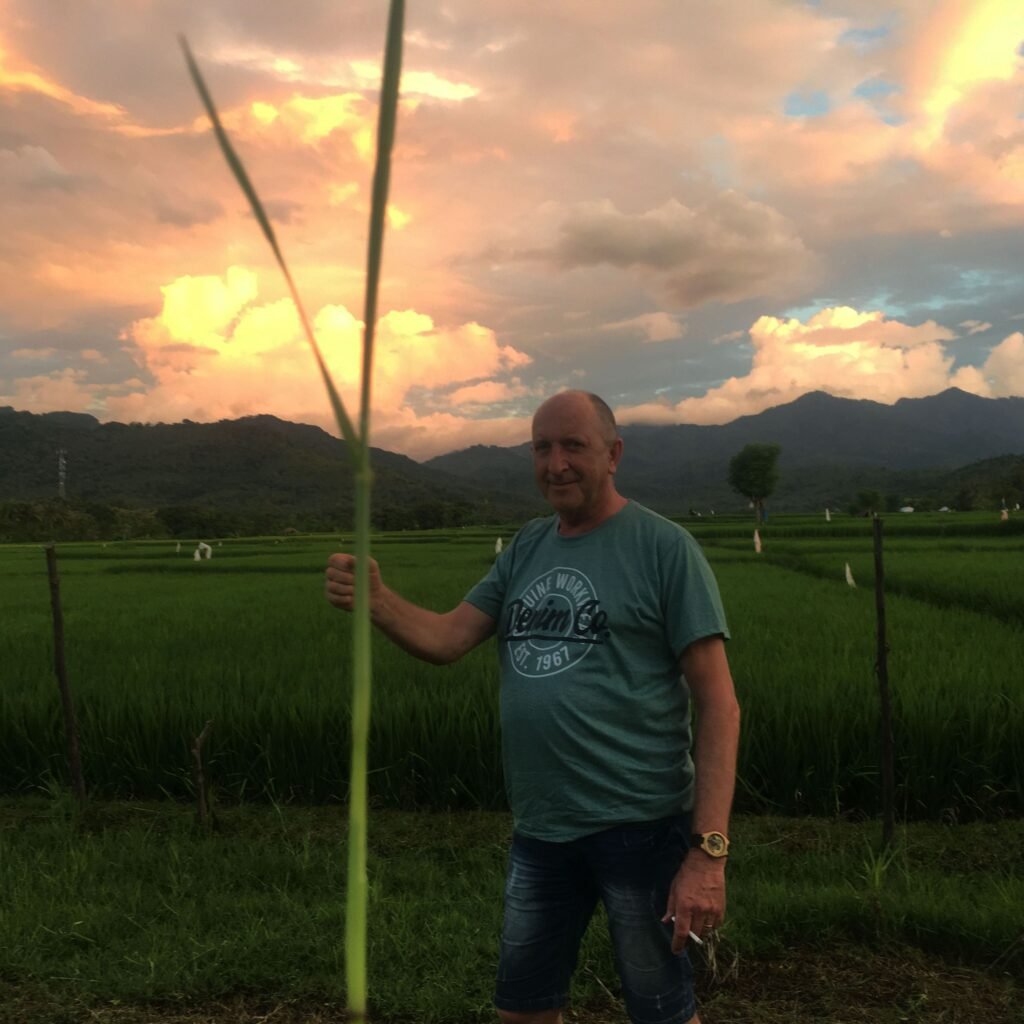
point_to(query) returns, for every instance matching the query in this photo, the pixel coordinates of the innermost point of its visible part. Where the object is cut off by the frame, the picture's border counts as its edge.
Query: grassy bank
(132, 911)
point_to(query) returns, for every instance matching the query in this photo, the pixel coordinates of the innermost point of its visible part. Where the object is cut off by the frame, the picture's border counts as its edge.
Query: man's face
(573, 461)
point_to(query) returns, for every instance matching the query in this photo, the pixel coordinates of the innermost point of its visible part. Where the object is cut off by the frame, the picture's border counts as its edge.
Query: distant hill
(263, 473)
(254, 466)
(831, 448)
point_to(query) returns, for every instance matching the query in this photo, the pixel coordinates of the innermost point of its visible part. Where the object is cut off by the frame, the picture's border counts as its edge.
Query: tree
(870, 502)
(754, 474)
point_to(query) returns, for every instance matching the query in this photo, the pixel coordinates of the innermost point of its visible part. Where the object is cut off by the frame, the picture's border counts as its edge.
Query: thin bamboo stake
(198, 777)
(60, 666)
(882, 668)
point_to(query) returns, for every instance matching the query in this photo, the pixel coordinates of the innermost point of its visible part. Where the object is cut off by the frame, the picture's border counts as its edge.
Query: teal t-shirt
(595, 719)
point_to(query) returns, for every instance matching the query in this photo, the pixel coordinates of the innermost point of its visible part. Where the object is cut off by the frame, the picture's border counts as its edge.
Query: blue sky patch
(864, 38)
(876, 88)
(807, 103)
(877, 91)
(804, 313)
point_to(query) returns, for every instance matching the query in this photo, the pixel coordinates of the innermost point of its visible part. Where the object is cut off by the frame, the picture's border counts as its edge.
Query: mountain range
(831, 448)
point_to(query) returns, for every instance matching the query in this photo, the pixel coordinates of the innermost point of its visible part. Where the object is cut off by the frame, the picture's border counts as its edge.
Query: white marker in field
(849, 576)
(497, 546)
(828, 516)
(177, 550)
(757, 542)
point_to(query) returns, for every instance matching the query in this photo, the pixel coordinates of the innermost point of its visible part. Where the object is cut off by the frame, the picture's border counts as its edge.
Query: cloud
(63, 389)
(34, 353)
(1002, 373)
(34, 167)
(975, 326)
(488, 392)
(653, 327)
(823, 153)
(313, 118)
(186, 212)
(215, 351)
(840, 350)
(943, 152)
(417, 83)
(728, 249)
(17, 77)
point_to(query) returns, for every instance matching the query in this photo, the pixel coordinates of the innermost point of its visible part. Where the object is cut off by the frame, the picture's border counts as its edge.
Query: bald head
(583, 402)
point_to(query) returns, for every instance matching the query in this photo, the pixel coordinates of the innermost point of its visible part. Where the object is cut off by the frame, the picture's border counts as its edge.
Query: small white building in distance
(907, 508)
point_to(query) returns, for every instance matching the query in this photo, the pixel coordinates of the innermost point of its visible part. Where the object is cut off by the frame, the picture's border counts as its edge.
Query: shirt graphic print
(554, 623)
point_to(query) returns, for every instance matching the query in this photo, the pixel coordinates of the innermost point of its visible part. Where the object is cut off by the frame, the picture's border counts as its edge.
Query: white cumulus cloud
(847, 353)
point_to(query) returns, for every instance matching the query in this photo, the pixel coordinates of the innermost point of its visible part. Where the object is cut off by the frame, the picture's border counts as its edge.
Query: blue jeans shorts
(551, 891)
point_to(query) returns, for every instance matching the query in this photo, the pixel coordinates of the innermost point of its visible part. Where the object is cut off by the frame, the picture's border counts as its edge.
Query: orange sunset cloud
(216, 352)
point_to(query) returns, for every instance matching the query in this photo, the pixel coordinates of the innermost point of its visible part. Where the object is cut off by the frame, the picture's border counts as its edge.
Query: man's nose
(557, 459)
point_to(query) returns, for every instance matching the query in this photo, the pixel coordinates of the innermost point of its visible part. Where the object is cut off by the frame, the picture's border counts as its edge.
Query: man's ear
(615, 454)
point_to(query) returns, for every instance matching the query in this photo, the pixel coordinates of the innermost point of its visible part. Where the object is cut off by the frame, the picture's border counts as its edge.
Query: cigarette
(696, 938)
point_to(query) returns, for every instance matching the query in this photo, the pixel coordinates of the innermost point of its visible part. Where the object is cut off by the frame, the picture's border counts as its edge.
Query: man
(598, 610)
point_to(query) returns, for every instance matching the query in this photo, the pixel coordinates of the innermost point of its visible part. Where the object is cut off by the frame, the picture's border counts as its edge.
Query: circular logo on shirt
(554, 623)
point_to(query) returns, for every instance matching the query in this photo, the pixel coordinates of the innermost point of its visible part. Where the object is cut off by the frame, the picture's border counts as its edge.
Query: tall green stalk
(359, 447)
(355, 917)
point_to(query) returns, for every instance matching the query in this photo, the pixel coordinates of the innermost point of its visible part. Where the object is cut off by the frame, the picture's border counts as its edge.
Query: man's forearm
(715, 748)
(430, 636)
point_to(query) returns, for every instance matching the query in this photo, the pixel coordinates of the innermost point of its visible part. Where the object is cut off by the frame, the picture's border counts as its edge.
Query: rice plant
(358, 441)
(246, 639)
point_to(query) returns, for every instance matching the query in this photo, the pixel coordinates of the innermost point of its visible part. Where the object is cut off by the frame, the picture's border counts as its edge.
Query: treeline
(987, 485)
(55, 519)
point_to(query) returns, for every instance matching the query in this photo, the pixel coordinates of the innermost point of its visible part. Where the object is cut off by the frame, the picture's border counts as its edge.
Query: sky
(697, 210)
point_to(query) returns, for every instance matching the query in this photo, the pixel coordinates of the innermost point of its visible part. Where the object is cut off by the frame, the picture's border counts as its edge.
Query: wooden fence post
(198, 778)
(882, 668)
(70, 722)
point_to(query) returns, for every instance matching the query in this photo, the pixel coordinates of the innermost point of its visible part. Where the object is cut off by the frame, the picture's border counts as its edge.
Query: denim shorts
(550, 894)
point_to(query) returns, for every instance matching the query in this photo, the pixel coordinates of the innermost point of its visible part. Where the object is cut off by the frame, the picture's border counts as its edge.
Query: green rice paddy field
(158, 644)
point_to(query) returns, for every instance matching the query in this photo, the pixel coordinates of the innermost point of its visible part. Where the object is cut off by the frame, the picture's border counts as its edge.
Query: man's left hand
(696, 900)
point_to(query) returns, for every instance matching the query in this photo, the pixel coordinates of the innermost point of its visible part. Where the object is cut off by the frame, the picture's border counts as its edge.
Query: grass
(135, 910)
(132, 914)
(159, 644)
(980, 575)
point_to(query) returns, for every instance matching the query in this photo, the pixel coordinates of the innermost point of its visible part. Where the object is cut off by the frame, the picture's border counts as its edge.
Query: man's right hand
(430, 636)
(340, 588)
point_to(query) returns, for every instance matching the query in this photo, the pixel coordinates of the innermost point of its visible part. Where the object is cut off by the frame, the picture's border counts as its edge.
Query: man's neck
(577, 527)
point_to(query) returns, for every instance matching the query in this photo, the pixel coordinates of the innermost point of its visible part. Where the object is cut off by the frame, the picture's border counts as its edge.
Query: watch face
(715, 843)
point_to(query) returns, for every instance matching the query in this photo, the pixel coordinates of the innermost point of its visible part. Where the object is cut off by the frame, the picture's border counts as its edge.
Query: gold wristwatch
(714, 844)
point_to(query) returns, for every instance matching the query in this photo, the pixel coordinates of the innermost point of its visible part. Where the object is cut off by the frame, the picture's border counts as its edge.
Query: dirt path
(808, 986)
